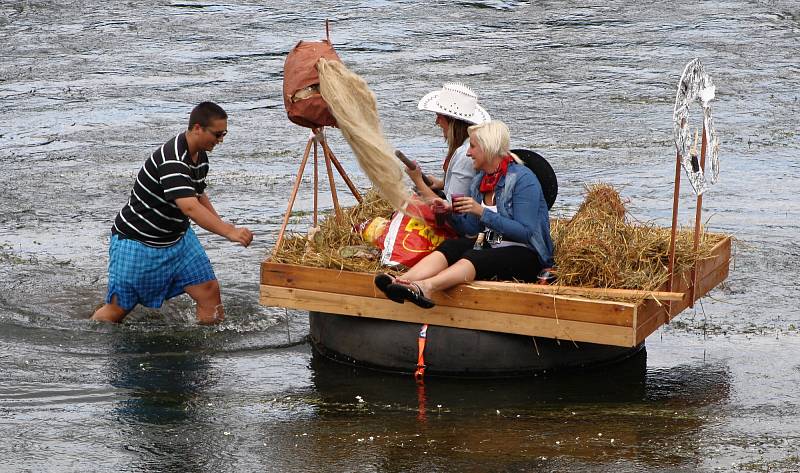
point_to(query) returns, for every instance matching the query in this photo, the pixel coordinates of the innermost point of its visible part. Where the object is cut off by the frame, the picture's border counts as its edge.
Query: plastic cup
(440, 215)
(454, 196)
(440, 218)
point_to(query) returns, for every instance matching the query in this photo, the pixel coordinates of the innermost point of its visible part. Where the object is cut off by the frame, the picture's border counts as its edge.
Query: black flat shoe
(382, 282)
(409, 292)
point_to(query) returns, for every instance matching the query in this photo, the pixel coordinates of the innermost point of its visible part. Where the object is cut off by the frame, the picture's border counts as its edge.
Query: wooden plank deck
(575, 314)
(710, 274)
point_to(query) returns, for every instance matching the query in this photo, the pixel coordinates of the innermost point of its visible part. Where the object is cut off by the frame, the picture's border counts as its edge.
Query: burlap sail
(356, 111)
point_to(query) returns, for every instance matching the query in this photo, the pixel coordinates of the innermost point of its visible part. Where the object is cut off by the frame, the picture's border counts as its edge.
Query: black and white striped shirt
(151, 216)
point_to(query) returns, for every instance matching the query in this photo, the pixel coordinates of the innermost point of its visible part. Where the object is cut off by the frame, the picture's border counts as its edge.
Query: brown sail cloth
(304, 104)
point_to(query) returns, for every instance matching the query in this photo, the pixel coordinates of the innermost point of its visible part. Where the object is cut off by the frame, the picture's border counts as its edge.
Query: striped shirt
(151, 216)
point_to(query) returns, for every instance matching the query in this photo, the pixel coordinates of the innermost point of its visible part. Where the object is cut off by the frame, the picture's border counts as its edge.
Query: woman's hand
(415, 174)
(440, 205)
(467, 205)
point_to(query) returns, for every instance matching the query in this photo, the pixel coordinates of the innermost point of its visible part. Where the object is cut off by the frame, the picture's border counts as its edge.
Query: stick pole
(697, 220)
(327, 31)
(337, 209)
(293, 197)
(316, 180)
(342, 172)
(674, 231)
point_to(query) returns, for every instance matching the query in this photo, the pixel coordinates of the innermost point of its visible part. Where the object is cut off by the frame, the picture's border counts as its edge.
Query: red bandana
(490, 180)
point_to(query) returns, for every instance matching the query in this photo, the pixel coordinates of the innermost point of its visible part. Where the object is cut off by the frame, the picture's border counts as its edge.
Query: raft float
(508, 328)
(485, 328)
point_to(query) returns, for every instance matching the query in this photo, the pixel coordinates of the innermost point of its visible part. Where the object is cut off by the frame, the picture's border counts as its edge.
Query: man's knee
(209, 302)
(205, 292)
(110, 312)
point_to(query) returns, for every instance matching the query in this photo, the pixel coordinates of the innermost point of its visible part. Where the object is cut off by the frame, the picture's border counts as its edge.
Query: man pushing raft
(154, 254)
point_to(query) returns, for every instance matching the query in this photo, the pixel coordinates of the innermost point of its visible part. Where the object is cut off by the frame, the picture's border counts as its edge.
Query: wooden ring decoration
(696, 86)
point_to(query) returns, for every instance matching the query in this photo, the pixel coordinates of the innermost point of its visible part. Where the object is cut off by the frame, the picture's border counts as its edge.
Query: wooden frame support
(326, 149)
(337, 209)
(317, 139)
(293, 196)
(316, 183)
(697, 216)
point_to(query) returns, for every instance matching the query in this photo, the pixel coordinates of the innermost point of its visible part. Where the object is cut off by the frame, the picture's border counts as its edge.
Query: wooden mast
(697, 216)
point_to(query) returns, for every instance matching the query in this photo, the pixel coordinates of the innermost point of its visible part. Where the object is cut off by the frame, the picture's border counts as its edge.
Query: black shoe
(409, 292)
(382, 282)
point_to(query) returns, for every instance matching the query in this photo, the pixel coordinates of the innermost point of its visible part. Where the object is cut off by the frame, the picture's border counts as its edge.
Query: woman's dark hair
(204, 113)
(457, 134)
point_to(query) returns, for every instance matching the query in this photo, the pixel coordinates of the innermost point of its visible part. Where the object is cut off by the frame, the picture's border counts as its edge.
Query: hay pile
(598, 247)
(336, 245)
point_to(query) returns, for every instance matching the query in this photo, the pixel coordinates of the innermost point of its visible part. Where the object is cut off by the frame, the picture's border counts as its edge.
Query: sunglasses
(217, 134)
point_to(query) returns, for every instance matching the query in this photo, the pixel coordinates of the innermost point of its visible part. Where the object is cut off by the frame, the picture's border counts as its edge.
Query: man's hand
(241, 235)
(204, 216)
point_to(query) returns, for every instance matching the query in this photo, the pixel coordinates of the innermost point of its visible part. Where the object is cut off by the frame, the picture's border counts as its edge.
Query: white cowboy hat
(455, 100)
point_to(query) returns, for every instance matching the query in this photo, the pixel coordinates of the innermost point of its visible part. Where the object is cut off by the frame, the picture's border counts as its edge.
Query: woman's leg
(435, 272)
(446, 254)
(506, 263)
(428, 266)
(461, 271)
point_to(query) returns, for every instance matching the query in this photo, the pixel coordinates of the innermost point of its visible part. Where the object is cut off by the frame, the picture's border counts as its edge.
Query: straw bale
(598, 247)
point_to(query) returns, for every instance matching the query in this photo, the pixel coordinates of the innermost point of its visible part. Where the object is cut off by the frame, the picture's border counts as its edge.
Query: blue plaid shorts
(141, 274)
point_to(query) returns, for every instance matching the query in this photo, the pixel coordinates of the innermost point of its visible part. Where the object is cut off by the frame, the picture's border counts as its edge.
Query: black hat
(542, 169)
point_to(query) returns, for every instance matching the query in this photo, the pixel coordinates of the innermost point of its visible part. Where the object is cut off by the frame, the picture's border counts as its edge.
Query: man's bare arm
(193, 208)
(203, 198)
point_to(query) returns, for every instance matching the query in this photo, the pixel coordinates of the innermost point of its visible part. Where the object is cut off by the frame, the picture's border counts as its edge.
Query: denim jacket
(521, 216)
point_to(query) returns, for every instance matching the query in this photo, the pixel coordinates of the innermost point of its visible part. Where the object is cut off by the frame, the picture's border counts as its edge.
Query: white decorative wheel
(696, 86)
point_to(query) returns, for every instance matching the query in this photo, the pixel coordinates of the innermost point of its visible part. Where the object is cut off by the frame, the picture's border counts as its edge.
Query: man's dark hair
(204, 113)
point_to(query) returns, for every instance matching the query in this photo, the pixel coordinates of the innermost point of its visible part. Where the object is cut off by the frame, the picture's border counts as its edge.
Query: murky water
(89, 88)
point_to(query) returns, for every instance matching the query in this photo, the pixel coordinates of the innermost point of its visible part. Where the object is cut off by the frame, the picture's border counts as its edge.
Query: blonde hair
(492, 137)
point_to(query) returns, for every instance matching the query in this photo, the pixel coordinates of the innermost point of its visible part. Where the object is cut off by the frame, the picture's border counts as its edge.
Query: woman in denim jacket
(504, 226)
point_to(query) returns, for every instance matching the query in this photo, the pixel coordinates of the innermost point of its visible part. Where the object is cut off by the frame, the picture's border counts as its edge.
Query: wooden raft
(564, 313)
